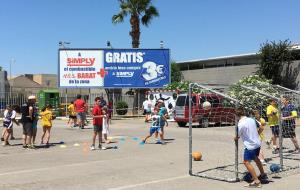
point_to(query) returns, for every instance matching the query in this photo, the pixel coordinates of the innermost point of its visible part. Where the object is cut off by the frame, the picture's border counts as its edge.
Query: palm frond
(117, 18)
(149, 14)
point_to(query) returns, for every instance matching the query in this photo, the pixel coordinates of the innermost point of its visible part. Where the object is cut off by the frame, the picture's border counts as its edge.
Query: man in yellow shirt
(273, 120)
(72, 115)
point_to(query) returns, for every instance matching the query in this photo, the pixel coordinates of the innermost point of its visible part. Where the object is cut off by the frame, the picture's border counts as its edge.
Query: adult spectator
(27, 119)
(147, 109)
(102, 102)
(80, 109)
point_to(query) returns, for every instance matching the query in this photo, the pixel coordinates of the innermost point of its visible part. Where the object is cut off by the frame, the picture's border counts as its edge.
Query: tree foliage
(251, 99)
(275, 65)
(140, 11)
(176, 74)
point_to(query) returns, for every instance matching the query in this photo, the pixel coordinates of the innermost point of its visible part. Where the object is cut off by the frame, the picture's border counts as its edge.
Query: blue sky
(192, 29)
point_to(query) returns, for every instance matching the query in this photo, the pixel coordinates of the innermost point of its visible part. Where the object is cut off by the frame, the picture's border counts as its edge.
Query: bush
(250, 99)
(121, 108)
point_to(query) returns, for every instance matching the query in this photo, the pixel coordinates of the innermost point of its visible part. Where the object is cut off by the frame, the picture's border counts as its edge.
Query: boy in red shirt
(97, 122)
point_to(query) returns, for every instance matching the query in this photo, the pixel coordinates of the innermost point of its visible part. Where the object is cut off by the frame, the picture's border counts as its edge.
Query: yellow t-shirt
(71, 110)
(46, 118)
(261, 135)
(272, 118)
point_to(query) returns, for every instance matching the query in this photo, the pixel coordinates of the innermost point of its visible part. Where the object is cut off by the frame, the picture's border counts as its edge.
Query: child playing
(34, 124)
(72, 115)
(46, 118)
(261, 126)
(155, 127)
(98, 124)
(105, 124)
(163, 113)
(9, 118)
(247, 130)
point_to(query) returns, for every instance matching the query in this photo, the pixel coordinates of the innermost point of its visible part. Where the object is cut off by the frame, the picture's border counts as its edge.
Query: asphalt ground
(69, 164)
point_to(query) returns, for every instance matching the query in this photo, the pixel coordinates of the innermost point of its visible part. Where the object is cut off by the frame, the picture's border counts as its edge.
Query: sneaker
(32, 147)
(254, 184)
(25, 146)
(263, 177)
(162, 142)
(275, 151)
(296, 151)
(268, 143)
(263, 162)
(102, 147)
(92, 147)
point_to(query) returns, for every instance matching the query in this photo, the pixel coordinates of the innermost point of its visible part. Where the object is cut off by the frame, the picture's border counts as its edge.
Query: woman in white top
(9, 118)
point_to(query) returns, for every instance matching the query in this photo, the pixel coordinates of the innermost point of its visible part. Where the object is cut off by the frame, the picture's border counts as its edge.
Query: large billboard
(114, 68)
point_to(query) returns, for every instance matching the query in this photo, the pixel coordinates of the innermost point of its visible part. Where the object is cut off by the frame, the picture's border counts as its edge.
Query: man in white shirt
(247, 130)
(147, 109)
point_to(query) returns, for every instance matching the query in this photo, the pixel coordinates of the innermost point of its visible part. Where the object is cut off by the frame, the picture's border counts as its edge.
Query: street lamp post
(62, 44)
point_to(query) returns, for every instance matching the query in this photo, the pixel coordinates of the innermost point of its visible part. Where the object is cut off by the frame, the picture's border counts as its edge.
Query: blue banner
(114, 68)
(136, 68)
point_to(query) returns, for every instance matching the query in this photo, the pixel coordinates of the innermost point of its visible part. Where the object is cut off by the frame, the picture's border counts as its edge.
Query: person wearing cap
(27, 119)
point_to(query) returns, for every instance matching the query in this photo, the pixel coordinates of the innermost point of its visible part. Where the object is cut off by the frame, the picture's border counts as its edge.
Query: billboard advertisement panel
(114, 68)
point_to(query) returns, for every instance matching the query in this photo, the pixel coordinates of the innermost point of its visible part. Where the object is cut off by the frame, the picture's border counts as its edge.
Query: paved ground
(131, 166)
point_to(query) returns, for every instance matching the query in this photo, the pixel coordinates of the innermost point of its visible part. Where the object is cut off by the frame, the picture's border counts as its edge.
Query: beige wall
(43, 79)
(219, 75)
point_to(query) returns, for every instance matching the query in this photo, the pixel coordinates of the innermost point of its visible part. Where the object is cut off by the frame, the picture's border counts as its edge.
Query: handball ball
(197, 156)
(206, 105)
(275, 168)
(247, 177)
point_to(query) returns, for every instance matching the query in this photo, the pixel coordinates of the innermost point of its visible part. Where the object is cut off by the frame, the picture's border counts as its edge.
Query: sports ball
(206, 105)
(275, 168)
(247, 177)
(197, 156)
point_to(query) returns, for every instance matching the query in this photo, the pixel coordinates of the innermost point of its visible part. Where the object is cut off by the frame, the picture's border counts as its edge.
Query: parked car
(220, 112)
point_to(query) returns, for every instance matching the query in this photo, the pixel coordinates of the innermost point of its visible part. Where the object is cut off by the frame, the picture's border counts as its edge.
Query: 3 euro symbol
(151, 70)
(159, 69)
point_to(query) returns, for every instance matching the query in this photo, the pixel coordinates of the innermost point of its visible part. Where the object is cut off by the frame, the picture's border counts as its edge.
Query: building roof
(220, 58)
(23, 82)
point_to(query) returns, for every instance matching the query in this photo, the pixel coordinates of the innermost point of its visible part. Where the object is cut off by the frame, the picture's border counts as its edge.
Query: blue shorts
(154, 129)
(251, 154)
(275, 130)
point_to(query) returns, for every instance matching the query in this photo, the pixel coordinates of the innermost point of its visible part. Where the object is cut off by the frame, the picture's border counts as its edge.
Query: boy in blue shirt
(289, 114)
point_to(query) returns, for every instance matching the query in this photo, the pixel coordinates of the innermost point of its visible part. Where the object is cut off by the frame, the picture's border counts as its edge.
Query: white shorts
(105, 129)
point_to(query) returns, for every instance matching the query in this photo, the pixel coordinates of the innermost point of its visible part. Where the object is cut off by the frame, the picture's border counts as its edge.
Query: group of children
(251, 132)
(46, 116)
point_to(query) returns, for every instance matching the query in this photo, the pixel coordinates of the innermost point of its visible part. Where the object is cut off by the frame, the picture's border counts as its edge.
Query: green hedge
(121, 108)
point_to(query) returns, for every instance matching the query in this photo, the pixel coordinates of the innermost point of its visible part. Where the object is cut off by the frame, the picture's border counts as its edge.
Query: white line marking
(149, 182)
(54, 167)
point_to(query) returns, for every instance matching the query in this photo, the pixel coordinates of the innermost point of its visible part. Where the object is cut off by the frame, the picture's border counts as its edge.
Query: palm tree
(139, 11)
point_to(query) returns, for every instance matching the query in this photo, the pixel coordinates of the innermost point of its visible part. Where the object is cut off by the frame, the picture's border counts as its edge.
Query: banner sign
(114, 68)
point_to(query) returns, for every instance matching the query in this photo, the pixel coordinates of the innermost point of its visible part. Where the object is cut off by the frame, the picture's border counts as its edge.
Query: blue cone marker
(142, 143)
